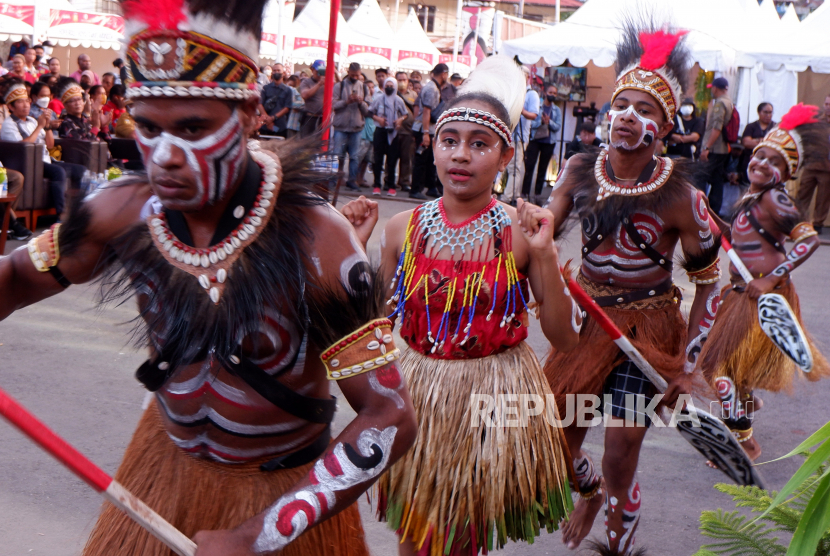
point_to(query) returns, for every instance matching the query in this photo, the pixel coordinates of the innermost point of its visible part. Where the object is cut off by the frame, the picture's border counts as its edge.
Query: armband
(44, 251)
(708, 275)
(802, 231)
(369, 347)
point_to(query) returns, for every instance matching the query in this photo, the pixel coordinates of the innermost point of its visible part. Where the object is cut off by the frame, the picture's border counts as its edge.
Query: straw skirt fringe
(737, 347)
(195, 495)
(466, 488)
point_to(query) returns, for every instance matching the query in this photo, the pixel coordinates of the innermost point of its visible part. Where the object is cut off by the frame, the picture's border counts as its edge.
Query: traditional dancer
(739, 358)
(634, 208)
(252, 292)
(459, 267)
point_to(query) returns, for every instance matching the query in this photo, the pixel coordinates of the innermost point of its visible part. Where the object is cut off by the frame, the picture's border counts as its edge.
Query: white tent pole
(397, 8)
(280, 8)
(558, 10)
(474, 55)
(457, 33)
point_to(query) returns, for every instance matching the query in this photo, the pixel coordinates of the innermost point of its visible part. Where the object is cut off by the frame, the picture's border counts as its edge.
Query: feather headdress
(68, 89)
(800, 138)
(200, 48)
(655, 61)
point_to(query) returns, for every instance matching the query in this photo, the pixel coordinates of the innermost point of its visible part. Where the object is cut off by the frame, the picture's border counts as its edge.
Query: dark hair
(53, 58)
(455, 76)
(117, 63)
(354, 66)
(118, 91)
(440, 68)
(38, 46)
(587, 127)
(93, 89)
(38, 87)
(384, 70)
(496, 107)
(401, 72)
(108, 73)
(763, 105)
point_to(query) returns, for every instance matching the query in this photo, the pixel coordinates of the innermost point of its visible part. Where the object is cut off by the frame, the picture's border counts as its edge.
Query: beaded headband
(462, 114)
(664, 90)
(72, 92)
(15, 92)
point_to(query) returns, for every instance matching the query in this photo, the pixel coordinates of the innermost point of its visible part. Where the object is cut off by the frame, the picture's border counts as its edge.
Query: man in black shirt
(684, 140)
(753, 133)
(585, 140)
(276, 102)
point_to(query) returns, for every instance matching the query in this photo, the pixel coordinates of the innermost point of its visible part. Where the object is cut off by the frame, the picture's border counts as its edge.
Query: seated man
(20, 126)
(17, 231)
(75, 125)
(586, 140)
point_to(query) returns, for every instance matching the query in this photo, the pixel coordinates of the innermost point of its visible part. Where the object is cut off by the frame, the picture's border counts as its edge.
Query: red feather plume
(799, 114)
(657, 47)
(157, 14)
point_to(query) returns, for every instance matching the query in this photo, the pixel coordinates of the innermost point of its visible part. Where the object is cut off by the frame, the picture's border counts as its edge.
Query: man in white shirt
(21, 127)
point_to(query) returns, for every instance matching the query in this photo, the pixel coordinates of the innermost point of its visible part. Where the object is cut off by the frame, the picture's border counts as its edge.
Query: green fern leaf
(737, 538)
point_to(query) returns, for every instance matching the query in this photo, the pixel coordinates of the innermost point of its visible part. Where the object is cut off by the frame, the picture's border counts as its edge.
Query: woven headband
(462, 114)
(72, 92)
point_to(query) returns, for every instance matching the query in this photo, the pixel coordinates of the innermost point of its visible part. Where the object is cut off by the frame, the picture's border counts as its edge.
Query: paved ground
(72, 365)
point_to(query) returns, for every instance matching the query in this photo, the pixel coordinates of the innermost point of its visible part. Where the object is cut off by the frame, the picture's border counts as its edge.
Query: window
(426, 15)
(107, 7)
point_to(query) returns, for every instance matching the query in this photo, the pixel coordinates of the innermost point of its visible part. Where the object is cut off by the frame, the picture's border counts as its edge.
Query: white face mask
(647, 135)
(43, 102)
(687, 110)
(47, 51)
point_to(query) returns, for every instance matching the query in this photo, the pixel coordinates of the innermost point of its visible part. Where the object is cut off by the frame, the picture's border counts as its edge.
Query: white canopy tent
(758, 67)
(418, 53)
(371, 38)
(85, 29)
(27, 18)
(311, 34)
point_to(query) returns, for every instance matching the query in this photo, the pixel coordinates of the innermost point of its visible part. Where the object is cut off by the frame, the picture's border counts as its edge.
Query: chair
(127, 150)
(92, 154)
(27, 158)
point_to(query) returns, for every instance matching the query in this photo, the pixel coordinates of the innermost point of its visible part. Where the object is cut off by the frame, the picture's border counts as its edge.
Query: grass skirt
(655, 327)
(462, 489)
(194, 495)
(737, 347)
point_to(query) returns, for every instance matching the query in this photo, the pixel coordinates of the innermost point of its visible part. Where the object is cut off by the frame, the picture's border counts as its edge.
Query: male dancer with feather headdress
(634, 208)
(252, 293)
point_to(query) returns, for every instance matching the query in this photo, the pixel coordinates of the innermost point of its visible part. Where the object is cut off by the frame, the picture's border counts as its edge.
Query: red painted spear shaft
(94, 476)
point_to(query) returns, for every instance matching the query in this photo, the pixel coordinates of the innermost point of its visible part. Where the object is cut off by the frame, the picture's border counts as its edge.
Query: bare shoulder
(395, 229)
(778, 203)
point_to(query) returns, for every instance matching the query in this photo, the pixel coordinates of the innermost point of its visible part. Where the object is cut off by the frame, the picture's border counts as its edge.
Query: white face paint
(647, 135)
(776, 173)
(216, 160)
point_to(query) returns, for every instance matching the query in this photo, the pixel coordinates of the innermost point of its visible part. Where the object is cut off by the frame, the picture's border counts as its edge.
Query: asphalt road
(71, 363)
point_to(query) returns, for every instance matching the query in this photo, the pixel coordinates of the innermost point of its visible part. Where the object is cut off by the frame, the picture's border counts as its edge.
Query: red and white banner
(17, 20)
(85, 26)
(447, 59)
(300, 42)
(404, 54)
(360, 49)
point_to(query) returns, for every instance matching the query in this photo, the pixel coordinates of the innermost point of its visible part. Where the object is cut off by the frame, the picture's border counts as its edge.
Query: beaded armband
(802, 231)
(44, 250)
(708, 275)
(370, 347)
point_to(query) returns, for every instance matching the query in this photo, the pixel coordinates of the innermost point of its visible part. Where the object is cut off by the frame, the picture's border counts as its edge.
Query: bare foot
(579, 523)
(752, 448)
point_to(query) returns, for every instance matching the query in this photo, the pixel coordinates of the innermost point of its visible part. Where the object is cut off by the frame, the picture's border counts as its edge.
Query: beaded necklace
(608, 186)
(475, 234)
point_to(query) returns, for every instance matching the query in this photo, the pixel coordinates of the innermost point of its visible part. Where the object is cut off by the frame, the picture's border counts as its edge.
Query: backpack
(730, 130)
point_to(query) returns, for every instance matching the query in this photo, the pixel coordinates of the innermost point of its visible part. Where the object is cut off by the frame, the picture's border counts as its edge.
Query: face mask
(47, 51)
(550, 98)
(687, 110)
(402, 87)
(276, 76)
(389, 90)
(43, 102)
(216, 160)
(647, 135)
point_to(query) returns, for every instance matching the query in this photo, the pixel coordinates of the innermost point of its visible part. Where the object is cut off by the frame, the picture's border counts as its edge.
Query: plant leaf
(815, 522)
(810, 466)
(819, 436)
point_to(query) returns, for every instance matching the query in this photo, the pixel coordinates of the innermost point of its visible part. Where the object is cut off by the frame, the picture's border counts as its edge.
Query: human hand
(223, 543)
(704, 155)
(362, 213)
(545, 119)
(760, 286)
(381, 121)
(425, 141)
(44, 118)
(681, 385)
(537, 227)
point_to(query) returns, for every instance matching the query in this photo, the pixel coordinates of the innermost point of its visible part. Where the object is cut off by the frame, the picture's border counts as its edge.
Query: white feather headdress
(499, 77)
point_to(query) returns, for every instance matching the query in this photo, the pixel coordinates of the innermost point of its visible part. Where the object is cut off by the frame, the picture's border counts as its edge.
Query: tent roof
(790, 18)
(311, 33)
(418, 53)
(15, 16)
(371, 37)
(591, 33)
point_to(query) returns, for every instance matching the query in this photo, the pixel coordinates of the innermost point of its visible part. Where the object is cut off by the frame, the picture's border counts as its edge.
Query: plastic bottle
(4, 182)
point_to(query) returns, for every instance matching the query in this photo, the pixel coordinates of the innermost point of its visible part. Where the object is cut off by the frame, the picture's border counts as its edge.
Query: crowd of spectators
(39, 104)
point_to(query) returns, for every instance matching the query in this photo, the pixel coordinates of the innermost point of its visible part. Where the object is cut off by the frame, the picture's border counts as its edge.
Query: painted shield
(779, 323)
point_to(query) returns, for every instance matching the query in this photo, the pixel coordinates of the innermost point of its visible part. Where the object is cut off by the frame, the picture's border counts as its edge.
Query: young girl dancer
(458, 269)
